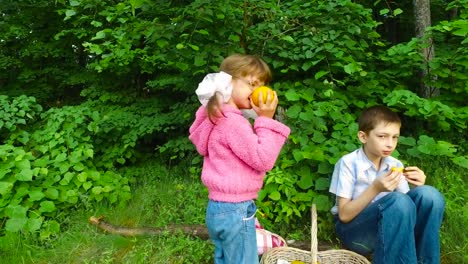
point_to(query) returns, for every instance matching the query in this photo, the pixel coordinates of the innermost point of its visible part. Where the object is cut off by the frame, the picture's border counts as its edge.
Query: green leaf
(33, 224)
(89, 153)
(162, 43)
(97, 190)
(275, 196)
(199, 61)
(194, 47)
(462, 32)
(350, 68)
(297, 154)
(25, 175)
(322, 184)
(302, 197)
(74, 3)
(67, 178)
(384, 11)
(5, 187)
(461, 161)
(15, 224)
(47, 207)
(69, 13)
(23, 164)
(87, 185)
(36, 195)
(325, 168)
(408, 141)
(308, 115)
(61, 157)
(52, 193)
(82, 177)
(322, 202)
(397, 11)
(292, 95)
(320, 74)
(288, 39)
(96, 23)
(306, 181)
(182, 66)
(99, 35)
(79, 167)
(203, 32)
(318, 137)
(16, 211)
(53, 226)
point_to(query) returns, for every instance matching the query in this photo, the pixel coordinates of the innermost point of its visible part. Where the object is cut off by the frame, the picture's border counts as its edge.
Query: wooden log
(198, 231)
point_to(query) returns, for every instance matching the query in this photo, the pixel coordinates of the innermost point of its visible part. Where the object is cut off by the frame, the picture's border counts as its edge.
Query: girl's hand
(389, 182)
(268, 108)
(414, 175)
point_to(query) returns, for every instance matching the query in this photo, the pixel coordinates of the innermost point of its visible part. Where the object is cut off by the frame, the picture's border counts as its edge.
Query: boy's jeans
(398, 228)
(231, 227)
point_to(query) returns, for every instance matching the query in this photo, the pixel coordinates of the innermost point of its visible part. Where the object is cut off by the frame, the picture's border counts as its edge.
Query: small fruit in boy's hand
(398, 169)
(256, 94)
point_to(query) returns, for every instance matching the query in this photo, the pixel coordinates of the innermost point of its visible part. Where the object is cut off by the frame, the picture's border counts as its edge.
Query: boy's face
(381, 141)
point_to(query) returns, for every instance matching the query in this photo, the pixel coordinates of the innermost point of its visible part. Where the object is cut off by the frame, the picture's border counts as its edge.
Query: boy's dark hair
(373, 115)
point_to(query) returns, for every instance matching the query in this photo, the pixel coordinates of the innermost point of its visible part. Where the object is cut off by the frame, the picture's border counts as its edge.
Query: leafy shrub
(49, 166)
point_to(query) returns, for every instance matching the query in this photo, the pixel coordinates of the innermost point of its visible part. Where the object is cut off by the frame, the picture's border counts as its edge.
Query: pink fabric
(267, 240)
(236, 155)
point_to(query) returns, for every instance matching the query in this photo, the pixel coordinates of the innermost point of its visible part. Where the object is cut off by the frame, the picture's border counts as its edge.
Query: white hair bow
(214, 82)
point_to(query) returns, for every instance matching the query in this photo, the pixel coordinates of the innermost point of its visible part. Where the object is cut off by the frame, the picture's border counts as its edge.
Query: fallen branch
(198, 231)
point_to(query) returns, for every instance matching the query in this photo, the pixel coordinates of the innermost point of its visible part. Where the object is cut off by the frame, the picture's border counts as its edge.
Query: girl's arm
(348, 209)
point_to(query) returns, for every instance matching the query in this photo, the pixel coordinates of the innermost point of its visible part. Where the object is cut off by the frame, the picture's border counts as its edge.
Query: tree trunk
(422, 15)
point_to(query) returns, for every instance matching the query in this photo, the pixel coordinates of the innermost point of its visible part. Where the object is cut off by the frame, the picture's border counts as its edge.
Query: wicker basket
(314, 256)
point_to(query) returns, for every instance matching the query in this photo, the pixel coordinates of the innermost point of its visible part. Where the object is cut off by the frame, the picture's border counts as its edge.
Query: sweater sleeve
(259, 146)
(200, 131)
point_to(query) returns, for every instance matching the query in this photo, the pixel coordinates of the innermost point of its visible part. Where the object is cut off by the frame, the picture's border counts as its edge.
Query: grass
(451, 182)
(163, 195)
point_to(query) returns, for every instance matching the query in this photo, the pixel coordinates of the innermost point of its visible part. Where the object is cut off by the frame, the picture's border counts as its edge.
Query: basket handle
(313, 241)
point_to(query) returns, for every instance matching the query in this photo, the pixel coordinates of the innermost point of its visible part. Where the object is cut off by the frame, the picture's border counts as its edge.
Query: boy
(376, 211)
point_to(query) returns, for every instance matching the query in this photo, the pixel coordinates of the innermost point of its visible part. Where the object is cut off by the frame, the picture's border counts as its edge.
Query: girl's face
(380, 142)
(242, 88)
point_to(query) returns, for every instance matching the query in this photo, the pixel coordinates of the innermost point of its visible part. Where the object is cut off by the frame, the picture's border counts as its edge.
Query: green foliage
(16, 114)
(451, 182)
(32, 62)
(128, 120)
(450, 66)
(157, 200)
(436, 112)
(49, 166)
(126, 72)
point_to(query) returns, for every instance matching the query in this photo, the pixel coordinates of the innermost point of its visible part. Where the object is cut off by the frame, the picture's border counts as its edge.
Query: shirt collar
(366, 164)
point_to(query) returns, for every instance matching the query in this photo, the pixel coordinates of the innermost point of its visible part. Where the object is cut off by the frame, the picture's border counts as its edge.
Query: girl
(236, 155)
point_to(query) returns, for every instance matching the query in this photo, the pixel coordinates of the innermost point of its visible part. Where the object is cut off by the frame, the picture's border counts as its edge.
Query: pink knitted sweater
(236, 155)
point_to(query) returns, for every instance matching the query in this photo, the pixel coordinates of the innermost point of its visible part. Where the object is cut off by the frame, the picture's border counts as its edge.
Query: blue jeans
(398, 228)
(231, 227)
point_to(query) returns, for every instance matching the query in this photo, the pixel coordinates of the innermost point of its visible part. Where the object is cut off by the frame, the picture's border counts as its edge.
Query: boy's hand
(268, 108)
(388, 182)
(414, 175)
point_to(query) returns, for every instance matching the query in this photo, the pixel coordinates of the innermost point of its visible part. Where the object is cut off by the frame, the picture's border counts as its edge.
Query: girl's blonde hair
(240, 66)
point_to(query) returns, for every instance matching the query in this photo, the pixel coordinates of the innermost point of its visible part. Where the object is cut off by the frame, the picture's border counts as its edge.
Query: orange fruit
(256, 93)
(397, 169)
